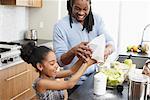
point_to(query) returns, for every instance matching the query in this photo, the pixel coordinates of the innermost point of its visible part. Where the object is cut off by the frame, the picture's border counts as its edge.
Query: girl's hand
(90, 61)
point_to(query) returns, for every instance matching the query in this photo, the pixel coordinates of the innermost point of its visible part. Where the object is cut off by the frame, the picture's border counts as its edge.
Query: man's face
(80, 10)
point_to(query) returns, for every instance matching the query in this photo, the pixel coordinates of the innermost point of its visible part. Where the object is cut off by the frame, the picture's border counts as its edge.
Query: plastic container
(100, 81)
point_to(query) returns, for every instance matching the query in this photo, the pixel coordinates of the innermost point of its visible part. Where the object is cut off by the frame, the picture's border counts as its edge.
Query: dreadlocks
(89, 20)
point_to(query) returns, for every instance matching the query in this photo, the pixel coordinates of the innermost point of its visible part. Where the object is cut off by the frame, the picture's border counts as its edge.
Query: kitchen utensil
(34, 34)
(138, 88)
(31, 35)
(119, 88)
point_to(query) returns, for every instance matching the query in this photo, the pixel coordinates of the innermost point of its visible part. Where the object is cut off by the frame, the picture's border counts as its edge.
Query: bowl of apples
(115, 76)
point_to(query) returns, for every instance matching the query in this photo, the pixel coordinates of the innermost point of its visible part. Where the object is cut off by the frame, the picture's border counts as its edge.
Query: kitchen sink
(138, 60)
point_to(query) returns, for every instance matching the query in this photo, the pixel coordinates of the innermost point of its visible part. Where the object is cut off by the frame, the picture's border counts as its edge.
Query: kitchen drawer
(16, 83)
(15, 70)
(27, 94)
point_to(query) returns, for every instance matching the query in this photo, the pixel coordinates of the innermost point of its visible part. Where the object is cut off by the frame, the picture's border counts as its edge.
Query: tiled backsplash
(13, 22)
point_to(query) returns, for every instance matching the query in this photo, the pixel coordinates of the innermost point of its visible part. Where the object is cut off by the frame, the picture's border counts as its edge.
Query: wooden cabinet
(16, 82)
(35, 3)
(28, 3)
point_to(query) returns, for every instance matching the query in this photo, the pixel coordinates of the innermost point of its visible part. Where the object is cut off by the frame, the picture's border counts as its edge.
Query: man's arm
(81, 51)
(67, 57)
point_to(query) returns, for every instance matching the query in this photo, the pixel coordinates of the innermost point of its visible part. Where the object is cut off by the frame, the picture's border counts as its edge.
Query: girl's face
(80, 10)
(50, 65)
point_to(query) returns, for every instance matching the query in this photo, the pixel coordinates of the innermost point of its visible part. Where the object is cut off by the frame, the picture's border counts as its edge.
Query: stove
(9, 53)
(4, 50)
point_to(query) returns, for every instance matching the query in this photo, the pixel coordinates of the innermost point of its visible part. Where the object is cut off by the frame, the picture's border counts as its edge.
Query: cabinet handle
(15, 76)
(20, 94)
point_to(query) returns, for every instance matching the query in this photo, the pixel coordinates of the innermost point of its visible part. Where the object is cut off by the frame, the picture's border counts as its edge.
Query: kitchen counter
(38, 42)
(134, 54)
(4, 66)
(85, 92)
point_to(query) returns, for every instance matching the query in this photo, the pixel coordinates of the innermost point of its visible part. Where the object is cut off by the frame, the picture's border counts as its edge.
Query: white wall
(43, 19)
(62, 8)
(109, 11)
(135, 15)
(13, 22)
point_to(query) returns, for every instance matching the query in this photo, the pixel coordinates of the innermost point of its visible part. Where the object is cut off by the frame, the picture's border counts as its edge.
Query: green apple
(115, 64)
(128, 62)
(129, 48)
(114, 76)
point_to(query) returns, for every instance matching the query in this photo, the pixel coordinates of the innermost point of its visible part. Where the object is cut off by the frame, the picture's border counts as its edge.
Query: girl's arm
(72, 70)
(45, 84)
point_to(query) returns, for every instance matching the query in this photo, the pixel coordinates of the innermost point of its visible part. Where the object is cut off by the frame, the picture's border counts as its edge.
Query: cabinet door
(15, 2)
(15, 83)
(34, 76)
(28, 3)
(35, 3)
(22, 2)
(8, 2)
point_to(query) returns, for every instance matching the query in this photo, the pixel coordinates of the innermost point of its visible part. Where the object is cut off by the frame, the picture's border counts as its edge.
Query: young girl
(44, 60)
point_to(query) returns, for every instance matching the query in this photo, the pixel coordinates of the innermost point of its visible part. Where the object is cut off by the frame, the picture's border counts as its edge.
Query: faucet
(142, 40)
(144, 47)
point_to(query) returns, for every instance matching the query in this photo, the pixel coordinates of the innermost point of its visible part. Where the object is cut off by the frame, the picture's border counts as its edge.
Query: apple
(114, 76)
(129, 48)
(135, 48)
(114, 64)
(128, 62)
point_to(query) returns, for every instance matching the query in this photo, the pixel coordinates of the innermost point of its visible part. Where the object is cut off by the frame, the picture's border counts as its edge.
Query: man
(72, 34)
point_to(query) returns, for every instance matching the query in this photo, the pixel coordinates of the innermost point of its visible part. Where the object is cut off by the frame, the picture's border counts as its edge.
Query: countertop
(38, 42)
(11, 64)
(134, 54)
(22, 42)
(85, 92)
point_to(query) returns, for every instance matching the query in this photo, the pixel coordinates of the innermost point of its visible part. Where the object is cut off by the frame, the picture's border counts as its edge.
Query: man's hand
(108, 51)
(82, 51)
